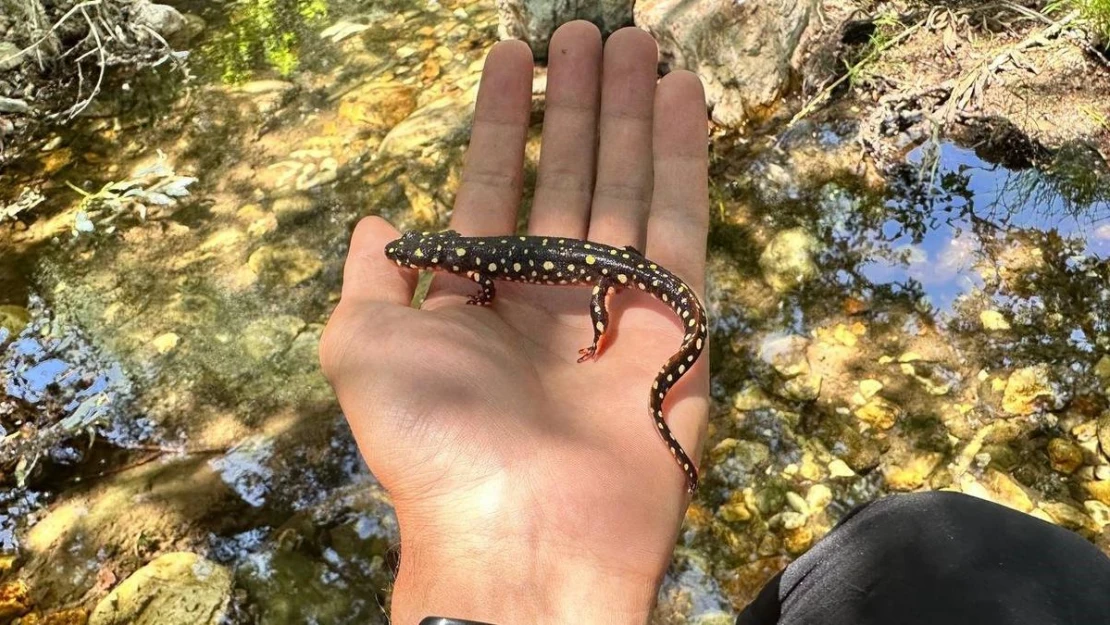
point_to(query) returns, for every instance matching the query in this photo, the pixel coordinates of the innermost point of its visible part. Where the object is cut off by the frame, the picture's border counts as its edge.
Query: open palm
(487, 433)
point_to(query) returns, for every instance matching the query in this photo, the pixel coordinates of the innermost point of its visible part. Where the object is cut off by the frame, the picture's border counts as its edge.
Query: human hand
(530, 488)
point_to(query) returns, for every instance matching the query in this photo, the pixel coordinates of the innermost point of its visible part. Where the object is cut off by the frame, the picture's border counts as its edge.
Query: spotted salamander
(561, 261)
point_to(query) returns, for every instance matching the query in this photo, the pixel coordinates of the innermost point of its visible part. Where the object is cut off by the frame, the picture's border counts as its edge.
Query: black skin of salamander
(563, 261)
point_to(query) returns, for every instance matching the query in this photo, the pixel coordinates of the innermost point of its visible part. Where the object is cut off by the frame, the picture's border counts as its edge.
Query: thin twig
(81, 106)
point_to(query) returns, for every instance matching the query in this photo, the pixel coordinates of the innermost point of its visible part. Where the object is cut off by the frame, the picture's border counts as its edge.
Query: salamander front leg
(485, 296)
(599, 315)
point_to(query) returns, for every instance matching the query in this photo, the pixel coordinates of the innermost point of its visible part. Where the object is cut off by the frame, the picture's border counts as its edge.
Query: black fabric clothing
(940, 558)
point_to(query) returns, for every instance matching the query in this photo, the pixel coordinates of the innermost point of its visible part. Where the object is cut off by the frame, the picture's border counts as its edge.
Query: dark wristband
(443, 620)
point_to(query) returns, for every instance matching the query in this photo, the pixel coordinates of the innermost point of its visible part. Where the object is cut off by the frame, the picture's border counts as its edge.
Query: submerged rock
(741, 50)
(786, 353)
(1028, 389)
(443, 122)
(1064, 455)
(907, 469)
(15, 600)
(993, 320)
(290, 265)
(13, 319)
(534, 21)
(787, 260)
(174, 589)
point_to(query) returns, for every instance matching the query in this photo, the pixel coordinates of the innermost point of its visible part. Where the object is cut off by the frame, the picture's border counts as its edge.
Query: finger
(622, 193)
(565, 181)
(368, 275)
(489, 194)
(679, 221)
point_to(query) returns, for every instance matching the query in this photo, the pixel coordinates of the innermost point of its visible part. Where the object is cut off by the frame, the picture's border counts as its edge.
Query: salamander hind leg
(599, 315)
(485, 296)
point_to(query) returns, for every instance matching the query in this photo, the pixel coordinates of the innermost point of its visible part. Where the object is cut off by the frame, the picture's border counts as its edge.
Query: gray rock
(162, 19)
(11, 105)
(534, 21)
(741, 50)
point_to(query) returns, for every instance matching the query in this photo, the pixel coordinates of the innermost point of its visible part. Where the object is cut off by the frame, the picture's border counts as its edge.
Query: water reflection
(959, 199)
(935, 326)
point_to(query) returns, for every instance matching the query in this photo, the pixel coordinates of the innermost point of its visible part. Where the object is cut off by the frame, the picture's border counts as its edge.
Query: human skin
(530, 488)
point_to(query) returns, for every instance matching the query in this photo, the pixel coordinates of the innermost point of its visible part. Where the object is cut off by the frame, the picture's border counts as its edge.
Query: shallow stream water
(939, 324)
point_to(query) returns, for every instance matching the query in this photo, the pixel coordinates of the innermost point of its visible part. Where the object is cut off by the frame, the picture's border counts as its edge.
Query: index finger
(678, 223)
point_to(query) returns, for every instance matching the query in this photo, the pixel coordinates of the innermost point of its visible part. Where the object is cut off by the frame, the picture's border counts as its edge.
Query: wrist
(507, 569)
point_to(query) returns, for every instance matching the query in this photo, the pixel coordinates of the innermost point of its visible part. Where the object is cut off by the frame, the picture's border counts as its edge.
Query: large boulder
(741, 50)
(534, 21)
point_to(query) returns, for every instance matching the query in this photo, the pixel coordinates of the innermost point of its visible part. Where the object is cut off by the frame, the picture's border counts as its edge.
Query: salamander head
(421, 250)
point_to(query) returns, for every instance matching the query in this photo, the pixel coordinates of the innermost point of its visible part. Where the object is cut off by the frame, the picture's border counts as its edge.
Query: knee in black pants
(940, 558)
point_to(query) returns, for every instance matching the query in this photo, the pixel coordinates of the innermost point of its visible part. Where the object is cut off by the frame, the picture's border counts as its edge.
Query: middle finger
(622, 194)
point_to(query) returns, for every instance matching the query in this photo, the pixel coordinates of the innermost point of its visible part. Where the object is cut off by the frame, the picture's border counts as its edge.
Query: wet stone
(997, 487)
(15, 599)
(1067, 516)
(870, 388)
(879, 413)
(1099, 512)
(787, 354)
(787, 261)
(293, 207)
(270, 336)
(1103, 433)
(441, 123)
(174, 589)
(1028, 389)
(76, 616)
(802, 388)
(13, 319)
(1099, 490)
(289, 265)
(166, 342)
(839, 468)
(798, 540)
(906, 469)
(993, 320)
(1064, 455)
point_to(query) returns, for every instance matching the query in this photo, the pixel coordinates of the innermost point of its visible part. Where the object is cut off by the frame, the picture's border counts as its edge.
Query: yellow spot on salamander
(622, 278)
(548, 265)
(698, 344)
(418, 253)
(691, 324)
(600, 327)
(590, 260)
(460, 251)
(570, 267)
(516, 266)
(493, 266)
